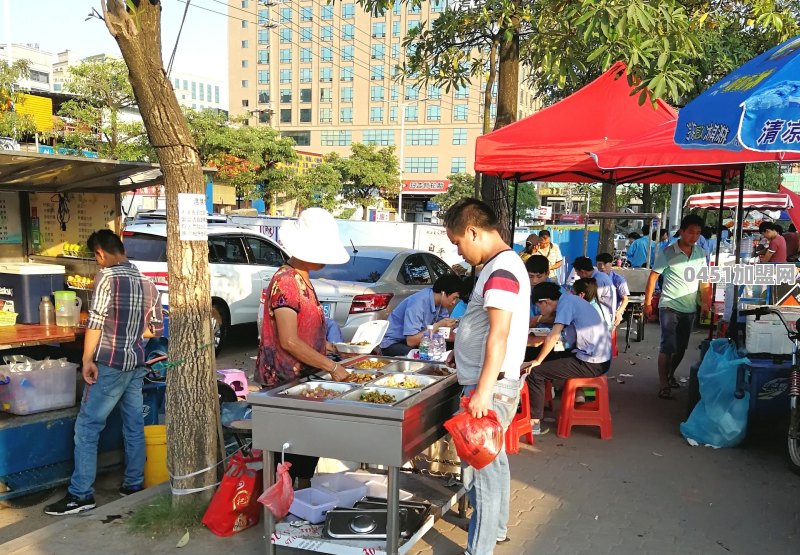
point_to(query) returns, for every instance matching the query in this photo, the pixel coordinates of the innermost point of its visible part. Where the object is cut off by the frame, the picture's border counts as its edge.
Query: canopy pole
(722, 185)
(514, 212)
(733, 330)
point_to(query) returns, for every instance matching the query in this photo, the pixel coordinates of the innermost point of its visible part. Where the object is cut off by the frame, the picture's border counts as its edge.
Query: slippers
(665, 393)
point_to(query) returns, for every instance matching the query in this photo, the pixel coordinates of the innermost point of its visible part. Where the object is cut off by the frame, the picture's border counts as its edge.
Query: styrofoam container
(768, 335)
(376, 489)
(371, 332)
(312, 504)
(346, 490)
(49, 385)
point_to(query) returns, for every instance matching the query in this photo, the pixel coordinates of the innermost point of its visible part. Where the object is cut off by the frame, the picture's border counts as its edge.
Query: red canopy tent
(794, 211)
(758, 200)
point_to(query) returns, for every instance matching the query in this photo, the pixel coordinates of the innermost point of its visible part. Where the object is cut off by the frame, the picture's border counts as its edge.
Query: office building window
(177, 83)
(393, 113)
(286, 95)
(216, 94)
(305, 34)
(376, 73)
(263, 16)
(306, 13)
(326, 74)
(346, 115)
(245, 64)
(494, 89)
(493, 111)
(397, 7)
(286, 35)
(305, 115)
(346, 94)
(459, 136)
(434, 113)
(286, 116)
(395, 50)
(325, 115)
(245, 103)
(460, 112)
(395, 28)
(286, 76)
(263, 36)
(245, 83)
(346, 73)
(263, 56)
(434, 92)
(300, 138)
(422, 137)
(327, 33)
(263, 96)
(438, 6)
(208, 92)
(376, 114)
(422, 164)
(379, 30)
(348, 31)
(286, 55)
(286, 15)
(378, 51)
(305, 55)
(462, 93)
(263, 116)
(185, 85)
(305, 95)
(326, 53)
(327, 13)
(347, 53)
(395, 90)
(244, 24)
(263, 76)
(326, 94)
(305, 75)
(201, 90)
(245, 44)
(245, 3)
(412, 113)
(458, 164)
(377, 93)
(348, 11)
(414, 8)
(380, 137)
(411, 25)
(412, 92)
(337, 138)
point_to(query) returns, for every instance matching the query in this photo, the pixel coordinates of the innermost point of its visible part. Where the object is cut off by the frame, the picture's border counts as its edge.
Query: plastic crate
(312, 504)
(346, 490)
(377, 489)
(768, 383)
(49, 385)
(8, 318)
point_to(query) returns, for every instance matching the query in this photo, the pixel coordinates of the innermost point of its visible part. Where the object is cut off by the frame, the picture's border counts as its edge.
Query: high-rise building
(323, 74)
(200, 92)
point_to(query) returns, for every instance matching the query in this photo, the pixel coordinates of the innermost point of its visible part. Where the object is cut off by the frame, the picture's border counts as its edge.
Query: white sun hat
(314, 238)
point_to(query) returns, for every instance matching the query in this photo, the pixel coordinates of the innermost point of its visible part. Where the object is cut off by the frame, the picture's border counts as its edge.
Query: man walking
(679, 298)
(489, 349)
(126, 308)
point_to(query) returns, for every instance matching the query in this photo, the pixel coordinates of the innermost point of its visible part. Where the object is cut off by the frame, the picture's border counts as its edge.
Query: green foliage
(367, 173)
(212, 133)
(762, 177)
(160, 517)
(319, 186)
(527, 200)
(462, 185)
(13, 124)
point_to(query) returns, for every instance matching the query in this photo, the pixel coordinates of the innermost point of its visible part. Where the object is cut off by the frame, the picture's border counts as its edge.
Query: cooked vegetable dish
(370, 364)
(318, 393)
(360, 343)
(360, 377)
(402, 381)
(438, 372)
(378, 398)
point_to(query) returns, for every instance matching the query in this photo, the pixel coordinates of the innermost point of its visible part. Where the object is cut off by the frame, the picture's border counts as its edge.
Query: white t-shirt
(503, 284)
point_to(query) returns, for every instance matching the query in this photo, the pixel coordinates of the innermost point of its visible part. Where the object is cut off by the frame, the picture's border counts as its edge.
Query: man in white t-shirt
(489, 350)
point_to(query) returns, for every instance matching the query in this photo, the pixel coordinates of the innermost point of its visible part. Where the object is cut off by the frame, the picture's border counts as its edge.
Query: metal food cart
(346, 428)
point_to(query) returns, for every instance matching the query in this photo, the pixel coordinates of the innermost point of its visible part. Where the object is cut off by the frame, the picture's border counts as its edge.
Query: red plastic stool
(614, 350)
(520, 424)
(548, 394)
(595, 413)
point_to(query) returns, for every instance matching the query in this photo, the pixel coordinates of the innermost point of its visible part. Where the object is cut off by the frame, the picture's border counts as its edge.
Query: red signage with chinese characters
(430, 186)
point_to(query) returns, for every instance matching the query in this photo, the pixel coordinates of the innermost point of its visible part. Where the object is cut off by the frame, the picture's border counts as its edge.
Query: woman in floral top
(293, 332)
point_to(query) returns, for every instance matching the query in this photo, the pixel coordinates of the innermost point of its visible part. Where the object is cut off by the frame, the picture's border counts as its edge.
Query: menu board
(10, 224)
(82, 214)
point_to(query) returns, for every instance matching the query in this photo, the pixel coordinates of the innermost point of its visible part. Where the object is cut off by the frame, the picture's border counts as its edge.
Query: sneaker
(504, 540)
(538, 430)
(130, 490)
(70, 505)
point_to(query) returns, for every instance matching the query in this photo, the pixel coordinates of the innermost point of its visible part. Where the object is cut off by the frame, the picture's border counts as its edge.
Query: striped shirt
(124, 304)
(503, 284)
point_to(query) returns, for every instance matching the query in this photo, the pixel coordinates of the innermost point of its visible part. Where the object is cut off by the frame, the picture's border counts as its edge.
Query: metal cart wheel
(640, 328)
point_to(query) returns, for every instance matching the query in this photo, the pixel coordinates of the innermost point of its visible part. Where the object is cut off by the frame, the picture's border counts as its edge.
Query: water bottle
(425, 344)
(47, 312)
(436, 349)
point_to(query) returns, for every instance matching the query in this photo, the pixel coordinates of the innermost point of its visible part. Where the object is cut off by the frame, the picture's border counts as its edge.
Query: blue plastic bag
(719, 419)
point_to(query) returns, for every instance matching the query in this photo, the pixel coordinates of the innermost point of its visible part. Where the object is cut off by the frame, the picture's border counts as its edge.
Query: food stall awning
(48, 173)
(759, 200)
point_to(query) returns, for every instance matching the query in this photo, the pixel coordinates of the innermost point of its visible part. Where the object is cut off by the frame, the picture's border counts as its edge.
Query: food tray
(374, 375)
(438, 371)
(346, 490)
(395, 381)
(405, 366)
(372, 360)
(398, 394)
(298, 391)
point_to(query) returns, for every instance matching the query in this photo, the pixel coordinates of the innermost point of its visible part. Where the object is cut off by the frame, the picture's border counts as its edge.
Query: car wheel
(221, 325)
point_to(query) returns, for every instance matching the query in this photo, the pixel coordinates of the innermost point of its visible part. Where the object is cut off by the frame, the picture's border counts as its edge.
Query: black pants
(559, 366)
(396, 350)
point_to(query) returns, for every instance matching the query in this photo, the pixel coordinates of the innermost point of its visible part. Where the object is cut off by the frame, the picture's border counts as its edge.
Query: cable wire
(178, 38)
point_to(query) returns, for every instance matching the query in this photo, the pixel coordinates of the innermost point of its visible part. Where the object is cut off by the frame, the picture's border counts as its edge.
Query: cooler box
(26, 284)
(768, 383)
(767, 334)
(49, 385)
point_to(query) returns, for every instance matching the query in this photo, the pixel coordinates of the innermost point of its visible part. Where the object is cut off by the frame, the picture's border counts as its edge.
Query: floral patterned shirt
(274, 365)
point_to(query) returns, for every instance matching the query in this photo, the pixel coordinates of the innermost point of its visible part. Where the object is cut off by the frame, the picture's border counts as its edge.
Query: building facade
(324, 75)
(40, 65)
(200, 92)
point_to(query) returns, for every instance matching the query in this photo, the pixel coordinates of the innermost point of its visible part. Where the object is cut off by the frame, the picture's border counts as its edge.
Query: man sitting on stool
(586, 333)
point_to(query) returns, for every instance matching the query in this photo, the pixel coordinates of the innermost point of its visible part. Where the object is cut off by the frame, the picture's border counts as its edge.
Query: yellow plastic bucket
(155, 466)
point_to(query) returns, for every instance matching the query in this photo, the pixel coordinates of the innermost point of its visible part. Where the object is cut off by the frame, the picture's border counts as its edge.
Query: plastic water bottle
(425, 344)
(437, 349)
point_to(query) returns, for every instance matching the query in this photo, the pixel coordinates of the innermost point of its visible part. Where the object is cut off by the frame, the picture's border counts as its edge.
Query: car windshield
(359, 268)
(150, 248)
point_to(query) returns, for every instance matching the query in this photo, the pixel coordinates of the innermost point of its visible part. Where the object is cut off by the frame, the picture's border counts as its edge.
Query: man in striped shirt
(126, 309)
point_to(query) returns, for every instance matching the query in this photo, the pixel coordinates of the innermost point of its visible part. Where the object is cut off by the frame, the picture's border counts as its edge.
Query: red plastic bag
(234, 506)
(478, 440)
(279, 496)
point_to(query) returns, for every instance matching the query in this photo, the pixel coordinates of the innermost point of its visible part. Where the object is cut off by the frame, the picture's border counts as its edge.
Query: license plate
(327, 309)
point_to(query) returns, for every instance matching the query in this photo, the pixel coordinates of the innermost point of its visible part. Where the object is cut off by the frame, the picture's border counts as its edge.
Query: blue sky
(58, 25)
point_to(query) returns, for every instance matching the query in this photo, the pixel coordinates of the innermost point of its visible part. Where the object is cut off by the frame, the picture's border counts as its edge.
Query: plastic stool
(520, 424)
(548, 394)
(595, 413)
(614, 350)
(235, 378)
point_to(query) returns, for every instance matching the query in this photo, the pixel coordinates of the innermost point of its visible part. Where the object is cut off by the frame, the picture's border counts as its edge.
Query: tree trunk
(192, 405)
(364, 212)
(487, 103)
(647, 198)
(495, 194)
(608, 203)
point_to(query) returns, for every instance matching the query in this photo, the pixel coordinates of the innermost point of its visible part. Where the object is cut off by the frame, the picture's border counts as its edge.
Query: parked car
(372, 283)
(241, 264)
